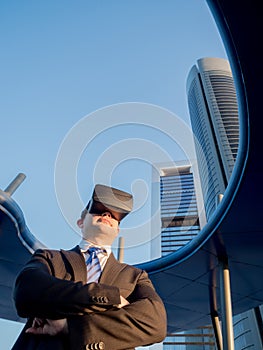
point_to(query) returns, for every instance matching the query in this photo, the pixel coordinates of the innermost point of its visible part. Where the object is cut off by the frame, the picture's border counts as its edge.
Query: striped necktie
(93, 264)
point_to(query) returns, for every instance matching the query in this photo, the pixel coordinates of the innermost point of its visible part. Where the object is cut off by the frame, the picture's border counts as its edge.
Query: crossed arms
(124, 315)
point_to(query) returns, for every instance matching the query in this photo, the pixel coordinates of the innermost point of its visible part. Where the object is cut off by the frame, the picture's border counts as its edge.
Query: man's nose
(107, 213)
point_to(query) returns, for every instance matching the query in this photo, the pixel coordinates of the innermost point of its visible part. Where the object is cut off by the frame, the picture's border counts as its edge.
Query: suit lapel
(77, 263)
(111, 270)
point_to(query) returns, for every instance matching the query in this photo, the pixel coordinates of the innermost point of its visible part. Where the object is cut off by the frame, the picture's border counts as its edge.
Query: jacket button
(95, 346)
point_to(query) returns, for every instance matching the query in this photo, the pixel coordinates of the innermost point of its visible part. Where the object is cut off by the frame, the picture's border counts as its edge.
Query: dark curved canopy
(188, 280)
(16, 246)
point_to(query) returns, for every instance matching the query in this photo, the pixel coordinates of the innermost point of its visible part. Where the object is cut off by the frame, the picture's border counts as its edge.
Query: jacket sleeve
(142, 322)
(38, 293)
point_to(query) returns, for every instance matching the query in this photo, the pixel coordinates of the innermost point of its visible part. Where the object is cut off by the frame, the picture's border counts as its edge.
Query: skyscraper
(175, 198)
(214, 117)
(174, 187)
(179, 214)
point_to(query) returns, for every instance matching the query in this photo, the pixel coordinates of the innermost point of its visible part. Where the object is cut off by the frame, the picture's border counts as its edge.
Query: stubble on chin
(101, 233)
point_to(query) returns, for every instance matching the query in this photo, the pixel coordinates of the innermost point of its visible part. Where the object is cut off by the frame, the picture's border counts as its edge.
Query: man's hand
(48, 327)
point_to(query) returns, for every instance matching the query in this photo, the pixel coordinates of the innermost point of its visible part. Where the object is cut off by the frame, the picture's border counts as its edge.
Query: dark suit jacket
(54, 285)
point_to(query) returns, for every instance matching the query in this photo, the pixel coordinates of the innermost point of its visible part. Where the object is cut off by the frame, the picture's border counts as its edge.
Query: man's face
(102, 227)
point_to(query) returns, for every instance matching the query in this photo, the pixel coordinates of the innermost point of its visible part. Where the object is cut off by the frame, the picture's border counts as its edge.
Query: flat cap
(113, 200)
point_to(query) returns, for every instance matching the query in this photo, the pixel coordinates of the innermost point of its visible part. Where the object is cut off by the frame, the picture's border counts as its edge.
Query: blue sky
(66, 67)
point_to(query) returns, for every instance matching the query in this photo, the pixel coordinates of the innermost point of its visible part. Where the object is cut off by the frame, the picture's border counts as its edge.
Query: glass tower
(179, 215)
(214, 117)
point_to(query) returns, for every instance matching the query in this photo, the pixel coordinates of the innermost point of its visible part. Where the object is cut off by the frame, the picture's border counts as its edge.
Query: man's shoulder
(64, 263)
(55, 252)
(58, 256)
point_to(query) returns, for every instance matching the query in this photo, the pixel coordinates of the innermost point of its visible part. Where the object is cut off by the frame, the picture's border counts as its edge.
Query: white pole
(226, 307)
(121, 249)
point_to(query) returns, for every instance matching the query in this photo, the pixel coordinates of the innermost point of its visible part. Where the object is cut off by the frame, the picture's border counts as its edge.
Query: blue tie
(93, 264)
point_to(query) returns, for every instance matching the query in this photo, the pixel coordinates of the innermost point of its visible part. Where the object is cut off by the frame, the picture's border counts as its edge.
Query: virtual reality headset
(109, 199)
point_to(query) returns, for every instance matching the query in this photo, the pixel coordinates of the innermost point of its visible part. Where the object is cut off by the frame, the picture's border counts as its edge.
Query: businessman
(84, 298)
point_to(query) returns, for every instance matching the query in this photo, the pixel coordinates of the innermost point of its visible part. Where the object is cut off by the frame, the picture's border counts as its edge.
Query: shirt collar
(85, 245)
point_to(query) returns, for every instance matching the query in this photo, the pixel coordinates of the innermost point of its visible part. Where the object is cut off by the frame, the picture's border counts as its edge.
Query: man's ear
(80, 223)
